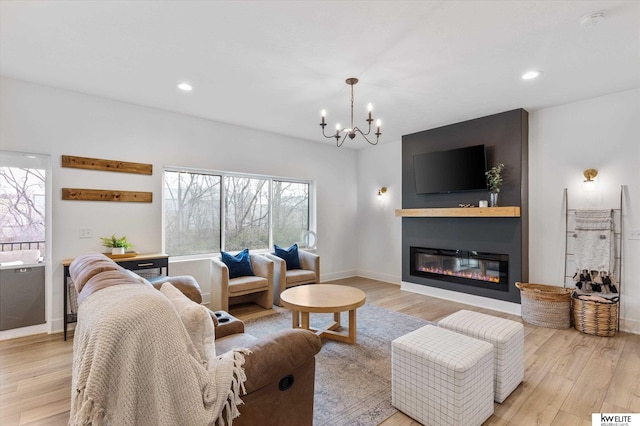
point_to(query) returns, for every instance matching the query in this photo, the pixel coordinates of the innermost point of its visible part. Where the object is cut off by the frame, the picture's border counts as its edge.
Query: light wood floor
(568, 375)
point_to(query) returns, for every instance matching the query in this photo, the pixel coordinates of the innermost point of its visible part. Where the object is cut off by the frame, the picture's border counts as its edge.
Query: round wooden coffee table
(324, 298)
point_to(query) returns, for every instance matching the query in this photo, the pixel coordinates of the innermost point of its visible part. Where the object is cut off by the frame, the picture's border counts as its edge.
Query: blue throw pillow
(289, 255)
(239, 265)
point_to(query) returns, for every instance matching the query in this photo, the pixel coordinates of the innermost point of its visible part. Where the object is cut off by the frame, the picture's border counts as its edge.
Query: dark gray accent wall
(505, 137)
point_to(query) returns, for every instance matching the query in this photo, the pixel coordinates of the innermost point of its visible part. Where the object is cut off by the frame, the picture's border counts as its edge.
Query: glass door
(25, 250)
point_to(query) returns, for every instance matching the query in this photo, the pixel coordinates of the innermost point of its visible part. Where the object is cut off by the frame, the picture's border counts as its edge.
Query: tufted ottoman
(442, 378)
(507, 338)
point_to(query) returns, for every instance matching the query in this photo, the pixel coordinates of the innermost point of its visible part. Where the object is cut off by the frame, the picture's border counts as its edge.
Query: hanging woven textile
(595, 250)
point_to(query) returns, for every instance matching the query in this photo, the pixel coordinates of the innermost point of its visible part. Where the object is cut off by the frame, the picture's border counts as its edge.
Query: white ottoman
(442, 378)
(507, 338)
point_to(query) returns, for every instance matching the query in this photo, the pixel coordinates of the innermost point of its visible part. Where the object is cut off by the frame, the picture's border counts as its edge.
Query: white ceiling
(273, 65)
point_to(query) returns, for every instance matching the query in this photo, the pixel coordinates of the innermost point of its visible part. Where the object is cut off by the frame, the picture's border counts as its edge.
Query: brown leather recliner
(280, 369)
(280, 373)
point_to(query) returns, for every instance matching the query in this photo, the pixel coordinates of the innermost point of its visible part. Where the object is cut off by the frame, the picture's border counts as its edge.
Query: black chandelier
(351, 131)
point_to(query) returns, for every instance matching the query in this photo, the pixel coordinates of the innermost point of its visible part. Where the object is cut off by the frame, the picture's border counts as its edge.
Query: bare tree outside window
(290, 211)
(191, 213)
(22, 206)
(246, 213)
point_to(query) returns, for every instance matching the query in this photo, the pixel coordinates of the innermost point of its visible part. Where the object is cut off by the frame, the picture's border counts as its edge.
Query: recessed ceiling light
(185, 86)
(529, 75)
(591, 19)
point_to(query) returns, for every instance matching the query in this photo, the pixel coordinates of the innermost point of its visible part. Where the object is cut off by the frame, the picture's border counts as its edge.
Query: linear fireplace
(473, 268)
(506, 138)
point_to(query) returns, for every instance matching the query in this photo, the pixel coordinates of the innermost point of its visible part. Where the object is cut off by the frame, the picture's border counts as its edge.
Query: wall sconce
(382, 191)
(589, 183)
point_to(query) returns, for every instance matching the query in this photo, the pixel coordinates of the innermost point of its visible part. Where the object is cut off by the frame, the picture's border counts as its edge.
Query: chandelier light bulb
(338, 126)
(369, 107)
(323, 113)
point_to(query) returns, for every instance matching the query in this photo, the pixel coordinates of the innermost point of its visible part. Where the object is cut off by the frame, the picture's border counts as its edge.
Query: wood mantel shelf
(508, 211)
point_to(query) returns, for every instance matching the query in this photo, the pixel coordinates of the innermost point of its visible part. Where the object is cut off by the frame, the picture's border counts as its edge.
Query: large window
(191, 213)
(256, 211)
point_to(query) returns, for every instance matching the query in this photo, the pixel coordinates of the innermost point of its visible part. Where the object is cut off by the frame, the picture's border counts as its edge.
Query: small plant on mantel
(117, 245)
(494, 178)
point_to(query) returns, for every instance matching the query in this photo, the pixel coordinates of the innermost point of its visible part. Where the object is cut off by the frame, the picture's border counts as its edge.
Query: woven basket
(593, 317)
(545, 305)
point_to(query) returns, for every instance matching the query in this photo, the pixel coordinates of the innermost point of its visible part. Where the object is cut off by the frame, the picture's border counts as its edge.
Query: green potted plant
(494, 180)
(117, 245)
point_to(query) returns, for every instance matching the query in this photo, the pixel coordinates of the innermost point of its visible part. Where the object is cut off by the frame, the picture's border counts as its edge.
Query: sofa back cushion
(86, 266)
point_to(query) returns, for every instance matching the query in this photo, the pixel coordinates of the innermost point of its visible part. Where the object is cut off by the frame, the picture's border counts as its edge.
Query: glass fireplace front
(488, 270)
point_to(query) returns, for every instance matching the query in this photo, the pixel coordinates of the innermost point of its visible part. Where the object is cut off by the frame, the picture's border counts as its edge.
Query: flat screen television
(454, 170)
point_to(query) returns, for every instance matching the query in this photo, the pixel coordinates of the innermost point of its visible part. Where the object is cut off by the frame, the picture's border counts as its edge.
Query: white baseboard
(57, 325)
(387, 278)
(469, 299)
(630, 326)
(337, 275)
(24, 331)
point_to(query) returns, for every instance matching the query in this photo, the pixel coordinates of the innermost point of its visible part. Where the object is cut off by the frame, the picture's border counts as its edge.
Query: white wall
(357, 233)
(41, 119)
(602, 133)
(380, 242)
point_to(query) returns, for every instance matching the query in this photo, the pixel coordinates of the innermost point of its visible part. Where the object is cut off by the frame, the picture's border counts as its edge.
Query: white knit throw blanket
(134, 364)
(594, 240)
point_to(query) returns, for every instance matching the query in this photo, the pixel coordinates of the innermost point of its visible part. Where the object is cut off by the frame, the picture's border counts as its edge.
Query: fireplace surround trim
(470, 299)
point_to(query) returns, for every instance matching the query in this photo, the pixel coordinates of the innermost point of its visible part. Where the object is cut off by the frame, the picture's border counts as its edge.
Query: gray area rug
(353, 382)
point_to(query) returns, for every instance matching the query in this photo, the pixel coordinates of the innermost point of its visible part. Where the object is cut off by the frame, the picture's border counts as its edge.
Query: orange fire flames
(462, 274)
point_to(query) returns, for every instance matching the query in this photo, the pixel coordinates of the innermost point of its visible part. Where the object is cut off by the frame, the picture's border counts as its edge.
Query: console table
(134, 263)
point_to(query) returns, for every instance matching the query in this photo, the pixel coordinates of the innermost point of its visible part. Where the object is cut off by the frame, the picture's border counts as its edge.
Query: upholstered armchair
(283, 278)
(256, 288)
